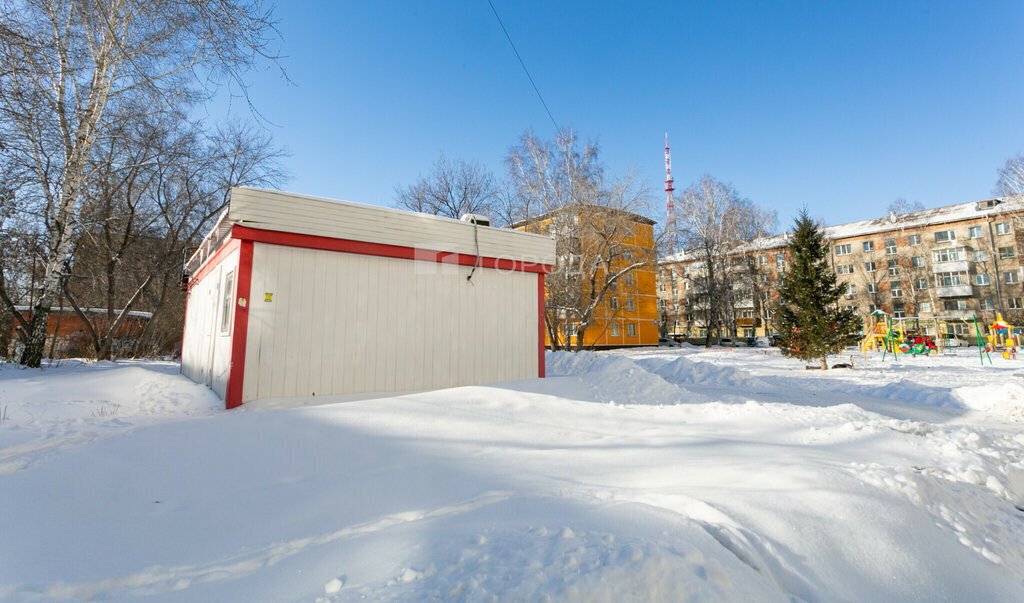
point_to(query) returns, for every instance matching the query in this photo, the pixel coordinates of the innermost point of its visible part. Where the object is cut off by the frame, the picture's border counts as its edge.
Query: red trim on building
(226, 249)
(291, 239)
(540, 324)
(236, 370)
(243, 238)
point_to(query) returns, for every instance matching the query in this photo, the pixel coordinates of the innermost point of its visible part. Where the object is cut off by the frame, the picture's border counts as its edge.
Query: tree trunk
(579, 338)
(32, 355)
(824, 363)
(6, 330)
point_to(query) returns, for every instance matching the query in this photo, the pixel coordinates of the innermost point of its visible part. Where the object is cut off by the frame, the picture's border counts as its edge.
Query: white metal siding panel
(205, 352)
(363, 324)
(290, 212)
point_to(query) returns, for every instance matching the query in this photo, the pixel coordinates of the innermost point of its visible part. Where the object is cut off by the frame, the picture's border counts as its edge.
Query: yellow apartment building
(593, 241)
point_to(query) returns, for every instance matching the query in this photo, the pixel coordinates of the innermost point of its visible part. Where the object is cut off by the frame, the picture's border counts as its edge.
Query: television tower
(670, 206)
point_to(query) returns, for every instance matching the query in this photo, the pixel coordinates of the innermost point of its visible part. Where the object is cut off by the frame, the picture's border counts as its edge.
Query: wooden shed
(291, 296)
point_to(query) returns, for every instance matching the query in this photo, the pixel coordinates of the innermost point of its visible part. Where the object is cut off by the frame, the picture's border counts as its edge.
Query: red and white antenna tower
(670, 206)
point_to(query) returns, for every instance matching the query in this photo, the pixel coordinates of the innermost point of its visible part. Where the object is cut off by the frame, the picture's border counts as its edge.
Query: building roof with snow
(948, 214)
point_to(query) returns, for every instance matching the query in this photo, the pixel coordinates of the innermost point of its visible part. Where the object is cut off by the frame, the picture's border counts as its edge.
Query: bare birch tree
(559, 187)
(65, 65)
(136, 220)
(717, 225)
(1011, 177)
(453, 188)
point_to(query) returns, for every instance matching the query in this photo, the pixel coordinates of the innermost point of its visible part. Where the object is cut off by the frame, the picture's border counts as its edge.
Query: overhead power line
(527, 71)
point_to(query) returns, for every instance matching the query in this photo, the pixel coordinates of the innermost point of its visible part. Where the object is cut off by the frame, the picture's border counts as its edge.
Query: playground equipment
(875, 339)
(1002, 337)
(916, 336)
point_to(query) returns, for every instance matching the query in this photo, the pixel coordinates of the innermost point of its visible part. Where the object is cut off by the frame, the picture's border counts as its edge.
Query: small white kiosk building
(291, 295)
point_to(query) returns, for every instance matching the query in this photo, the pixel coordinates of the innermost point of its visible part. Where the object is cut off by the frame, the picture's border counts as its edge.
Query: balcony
(954, 291)
(957, 266)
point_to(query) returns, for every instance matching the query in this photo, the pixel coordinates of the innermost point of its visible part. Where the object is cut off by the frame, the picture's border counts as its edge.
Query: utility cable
(527, 71)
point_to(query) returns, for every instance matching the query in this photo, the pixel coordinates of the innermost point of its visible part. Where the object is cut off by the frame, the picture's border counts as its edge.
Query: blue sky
(839, 106)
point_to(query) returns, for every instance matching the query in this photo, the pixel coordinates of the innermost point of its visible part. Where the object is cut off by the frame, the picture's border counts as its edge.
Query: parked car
(751, 342)
(950, 340)
(667, 343)
(726, 342)
(762, 342)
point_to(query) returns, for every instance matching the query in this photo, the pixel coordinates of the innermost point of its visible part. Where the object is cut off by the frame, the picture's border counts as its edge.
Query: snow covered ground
(639, 475)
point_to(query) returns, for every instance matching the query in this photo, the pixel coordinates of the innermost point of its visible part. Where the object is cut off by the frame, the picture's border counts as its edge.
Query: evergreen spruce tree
(810, 321)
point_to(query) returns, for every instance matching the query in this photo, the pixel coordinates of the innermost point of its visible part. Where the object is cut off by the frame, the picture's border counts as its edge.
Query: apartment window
(629, 279)
(780, 260)
(1006, 253)
(920, 284)
(896, 289)
(872, 308)
(898, 310)
(914, 240)
(613, 303)
(869, 245)
(1003, 228)
(941, 236)
(675, 304)
(924, 307)
(630, 306)
(950, 279)
(986, 304)
(767, 295)
(846, 249)
(673, 272)
(228, 293)
(869, 266)
(1013, 303)
(630, 330)
(890, 247)
(746, 314)
(764, 278)
(979, 256)
(844, 269)
(662, 304)
(762, 260)
(950, 254)
(975, 232)
(872, 287)
(686, 286)
(613, 330)
(982, 280)
(917, 261)
(851, 290)
(1011, 277)
(894, 267)
(953, 305)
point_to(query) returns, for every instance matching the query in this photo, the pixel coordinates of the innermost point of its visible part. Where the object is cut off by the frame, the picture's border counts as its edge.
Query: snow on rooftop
(927, 217)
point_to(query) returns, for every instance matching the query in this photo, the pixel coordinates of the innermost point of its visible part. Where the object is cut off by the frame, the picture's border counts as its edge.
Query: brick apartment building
(951, 263)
